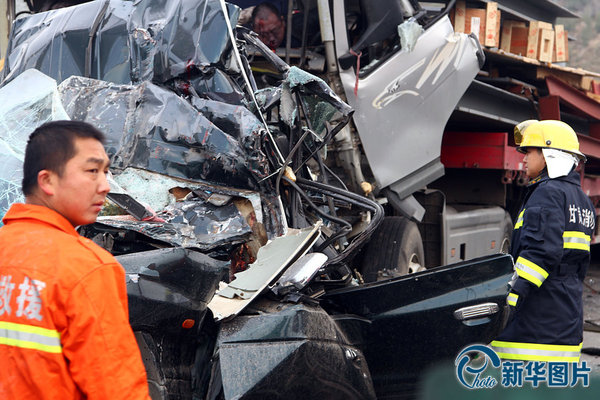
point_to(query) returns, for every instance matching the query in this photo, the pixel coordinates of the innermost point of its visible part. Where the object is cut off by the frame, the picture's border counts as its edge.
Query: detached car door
(407, 324)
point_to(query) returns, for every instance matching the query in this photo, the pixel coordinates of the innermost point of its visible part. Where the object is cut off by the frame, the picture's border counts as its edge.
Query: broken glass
(190, 223)
(409, 31)
(192, 213)
(33, 101)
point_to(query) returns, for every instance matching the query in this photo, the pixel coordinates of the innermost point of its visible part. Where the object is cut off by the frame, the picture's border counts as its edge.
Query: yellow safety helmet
(547, 134)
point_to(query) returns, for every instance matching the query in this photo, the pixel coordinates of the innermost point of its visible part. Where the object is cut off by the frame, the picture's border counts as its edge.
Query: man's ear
(46, 180)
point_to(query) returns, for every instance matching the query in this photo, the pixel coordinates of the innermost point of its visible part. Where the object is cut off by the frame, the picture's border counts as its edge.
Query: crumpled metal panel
(212, 84)
(152, 128)
(302, 95)
(241, 124)
(124, 112)
(132, 41)
(190, 223)
(136, 182)
(236, 120)
(319, 101)
(270, 261)
(211, 224)
(190, 213)
(271, 258)
(170, 285)
(295, 351)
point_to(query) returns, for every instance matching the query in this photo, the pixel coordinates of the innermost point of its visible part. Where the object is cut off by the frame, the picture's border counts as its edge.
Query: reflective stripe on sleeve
(512, 299)
(519, 222)
(576, 240)
(530, 271)
(536, 352)
(30, 337)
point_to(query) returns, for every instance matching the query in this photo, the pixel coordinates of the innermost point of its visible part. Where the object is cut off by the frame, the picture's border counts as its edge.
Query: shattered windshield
(30, 105)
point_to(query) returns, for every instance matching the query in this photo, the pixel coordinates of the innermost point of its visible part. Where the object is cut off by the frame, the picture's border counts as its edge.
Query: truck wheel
(395, 249)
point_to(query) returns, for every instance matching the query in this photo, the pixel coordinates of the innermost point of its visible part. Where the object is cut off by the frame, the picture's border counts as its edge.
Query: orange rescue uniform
(64, 323)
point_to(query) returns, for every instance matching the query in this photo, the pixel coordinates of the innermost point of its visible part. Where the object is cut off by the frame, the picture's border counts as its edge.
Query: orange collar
(20, 211)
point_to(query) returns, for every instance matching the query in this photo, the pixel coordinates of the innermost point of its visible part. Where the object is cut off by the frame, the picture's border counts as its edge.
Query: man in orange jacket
(64, 324)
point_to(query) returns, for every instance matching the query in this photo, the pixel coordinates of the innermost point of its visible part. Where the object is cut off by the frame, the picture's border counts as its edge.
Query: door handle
(476, 311)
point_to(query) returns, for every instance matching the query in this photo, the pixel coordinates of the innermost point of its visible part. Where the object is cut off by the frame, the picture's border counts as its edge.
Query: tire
(395, 249)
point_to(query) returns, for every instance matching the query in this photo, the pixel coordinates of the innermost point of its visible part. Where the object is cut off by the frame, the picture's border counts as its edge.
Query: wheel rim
(396, 249)
(414, 264)
(505, 245)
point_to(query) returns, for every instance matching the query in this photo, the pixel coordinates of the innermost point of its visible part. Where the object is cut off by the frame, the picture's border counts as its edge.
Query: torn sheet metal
(302, 93)
(271, 260)
(27, 102)
(191, 223)
(133, 207)
(214, 85)
(193, 214)
(152, 128)
(123, 41)
(322, 104)
(236, 120)
(169, 285)
(136, 182)
(240, 123)
(211, 224)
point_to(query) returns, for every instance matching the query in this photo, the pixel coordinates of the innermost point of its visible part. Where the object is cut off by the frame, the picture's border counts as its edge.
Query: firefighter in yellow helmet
(551, 249)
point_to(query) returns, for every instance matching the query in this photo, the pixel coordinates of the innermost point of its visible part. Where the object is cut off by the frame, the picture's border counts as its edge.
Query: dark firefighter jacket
(551, 248)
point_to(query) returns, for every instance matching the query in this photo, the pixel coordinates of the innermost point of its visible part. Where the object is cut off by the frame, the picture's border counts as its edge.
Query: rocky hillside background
(584, 51)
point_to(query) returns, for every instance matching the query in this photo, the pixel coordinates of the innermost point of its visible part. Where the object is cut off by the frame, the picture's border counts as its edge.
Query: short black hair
(50, 146)
(264, 6)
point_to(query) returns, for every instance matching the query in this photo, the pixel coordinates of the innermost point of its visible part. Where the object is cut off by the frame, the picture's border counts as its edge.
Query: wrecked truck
(409, 144)
(240, 244)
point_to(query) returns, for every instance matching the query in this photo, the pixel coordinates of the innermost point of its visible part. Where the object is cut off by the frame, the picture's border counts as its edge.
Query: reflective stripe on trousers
(30, 337)
(537, 352)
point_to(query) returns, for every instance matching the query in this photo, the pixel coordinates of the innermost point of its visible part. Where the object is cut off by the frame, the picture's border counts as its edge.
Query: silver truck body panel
(400, 114)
